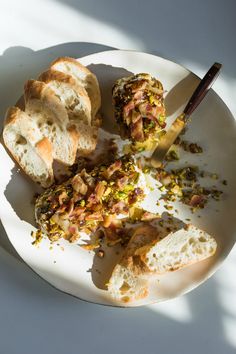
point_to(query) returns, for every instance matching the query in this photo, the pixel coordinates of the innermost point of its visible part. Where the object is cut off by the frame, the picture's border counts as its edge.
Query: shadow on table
(168, 30)
(146, 329)
(107, 75)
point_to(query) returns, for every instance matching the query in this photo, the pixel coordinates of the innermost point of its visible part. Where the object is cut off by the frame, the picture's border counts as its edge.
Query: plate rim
(213, 269)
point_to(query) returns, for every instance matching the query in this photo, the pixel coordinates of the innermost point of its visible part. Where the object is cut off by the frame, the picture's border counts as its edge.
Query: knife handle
(202, 89)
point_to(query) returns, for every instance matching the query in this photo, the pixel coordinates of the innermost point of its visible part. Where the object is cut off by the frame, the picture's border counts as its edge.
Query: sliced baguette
(87, 137)
(148, 254)
(30, 149)
(73, 96)
(51, 117)
(83, 76)
(126, 283)
(179, 249)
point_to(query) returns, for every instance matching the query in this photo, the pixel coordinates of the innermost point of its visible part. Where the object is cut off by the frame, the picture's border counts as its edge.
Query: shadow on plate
(20, 193)
(107, 75)
(102, 268)
(180, 93)
(18, 64)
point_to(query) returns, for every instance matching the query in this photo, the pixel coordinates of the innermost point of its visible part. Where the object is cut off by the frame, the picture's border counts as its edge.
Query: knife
(180, 122)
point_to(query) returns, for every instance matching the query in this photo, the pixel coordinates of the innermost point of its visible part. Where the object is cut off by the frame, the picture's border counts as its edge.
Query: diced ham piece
(122, 182)
(78, 185)
(137, 130)
(149, 107)
(136, 116)
(99, 190)
(77, 211)
(73, 229)
(138, 96)
(113, 168)
(61, 209)
(92, 199)
(94, 217)
(139, 85)
(143, 108)
(128, 108)
(70, 207)
(62, 197)
(149, 216)
(119, 207)
(108, 220)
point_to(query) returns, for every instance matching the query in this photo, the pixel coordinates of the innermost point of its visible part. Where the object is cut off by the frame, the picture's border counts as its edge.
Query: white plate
(76, 271)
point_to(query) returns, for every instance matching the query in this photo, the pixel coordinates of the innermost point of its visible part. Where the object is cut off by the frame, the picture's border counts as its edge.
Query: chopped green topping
(38, 235)
(162, 188)
(161, 118)
(120, 195)
(128, 188)
(168, 207)
(172, 156)
(82, 202)
(214, 176)
(146, 169)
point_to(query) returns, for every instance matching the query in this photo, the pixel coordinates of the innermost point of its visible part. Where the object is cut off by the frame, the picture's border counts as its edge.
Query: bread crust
(90, 83)
(74, 135)
(11, 115)
(74, 61)
(143, 251)
(54, 75)
(38, 90)
(44, 148)
(33, 89)
(15, 121)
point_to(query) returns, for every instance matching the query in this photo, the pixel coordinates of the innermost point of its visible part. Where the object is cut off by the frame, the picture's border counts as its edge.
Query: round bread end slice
(84, 78)
(29, 148)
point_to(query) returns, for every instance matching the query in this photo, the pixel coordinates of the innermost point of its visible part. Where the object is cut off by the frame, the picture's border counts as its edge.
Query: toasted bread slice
(30, 149)
(50, 115)
(126, 282)
(148, 254)
(73, 96)
(83, 76)
(87, 141)
(177, 250)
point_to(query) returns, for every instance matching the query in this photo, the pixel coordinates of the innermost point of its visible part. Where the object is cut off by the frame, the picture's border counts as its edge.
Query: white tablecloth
(36, 318)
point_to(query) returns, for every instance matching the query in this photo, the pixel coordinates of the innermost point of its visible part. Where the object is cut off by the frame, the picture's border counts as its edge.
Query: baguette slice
(126, 282)
(87, 141)
(177, 250)
(30, 149)
(147, 254)
(83, 76)
(51, 117)
(73, 96)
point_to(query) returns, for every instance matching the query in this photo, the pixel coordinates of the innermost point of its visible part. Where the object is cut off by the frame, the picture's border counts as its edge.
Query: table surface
(36, 318)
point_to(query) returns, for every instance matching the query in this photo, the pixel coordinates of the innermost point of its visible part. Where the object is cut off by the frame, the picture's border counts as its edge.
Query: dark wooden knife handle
(202, 89)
